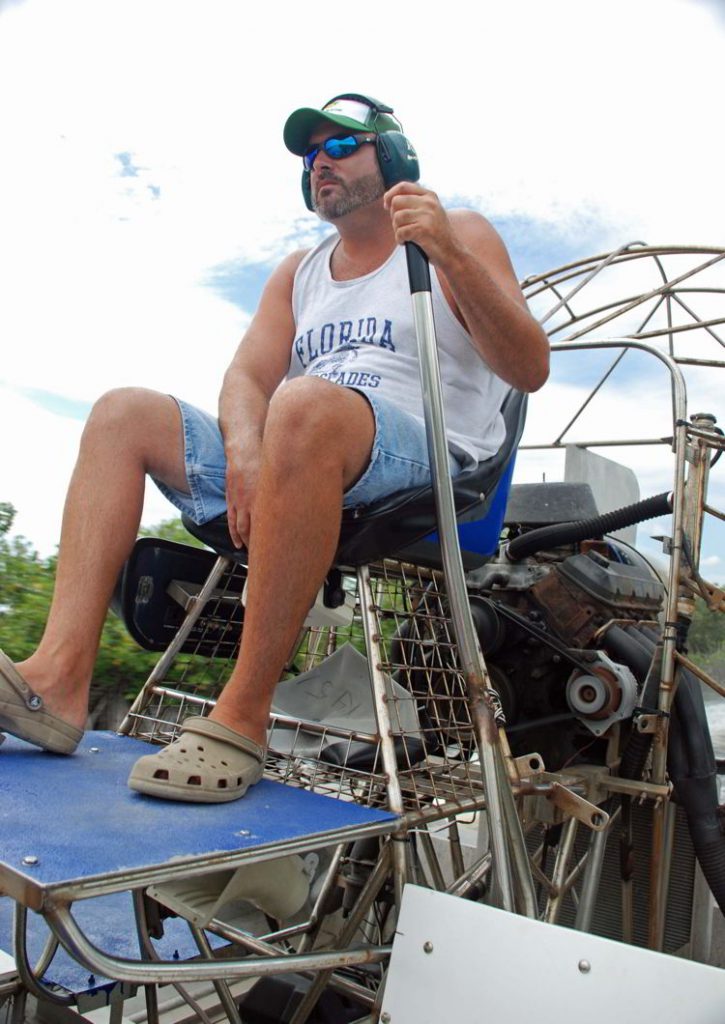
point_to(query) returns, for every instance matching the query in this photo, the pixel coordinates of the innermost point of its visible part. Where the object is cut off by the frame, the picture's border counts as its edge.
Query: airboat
(490, 785)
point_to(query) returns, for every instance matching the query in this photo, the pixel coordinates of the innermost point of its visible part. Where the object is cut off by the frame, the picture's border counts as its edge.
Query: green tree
(706, 640)
(707, 632)
(26, 587)
(26, 584)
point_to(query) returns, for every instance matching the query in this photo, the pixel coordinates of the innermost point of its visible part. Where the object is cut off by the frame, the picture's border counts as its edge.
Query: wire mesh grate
(323, 731)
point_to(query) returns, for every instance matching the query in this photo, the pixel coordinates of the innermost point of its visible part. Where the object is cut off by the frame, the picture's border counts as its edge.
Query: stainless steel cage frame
(454, 758)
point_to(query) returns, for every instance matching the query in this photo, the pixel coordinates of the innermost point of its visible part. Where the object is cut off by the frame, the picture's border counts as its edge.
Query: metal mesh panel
(188, 681)
(411, 642)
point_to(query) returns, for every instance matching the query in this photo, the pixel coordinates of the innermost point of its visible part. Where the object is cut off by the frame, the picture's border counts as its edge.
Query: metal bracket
(666, 543)
(634, 788)
(576, 806)
(528, 765)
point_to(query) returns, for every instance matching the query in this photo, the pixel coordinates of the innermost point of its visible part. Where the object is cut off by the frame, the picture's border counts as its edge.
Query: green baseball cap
(350, 110)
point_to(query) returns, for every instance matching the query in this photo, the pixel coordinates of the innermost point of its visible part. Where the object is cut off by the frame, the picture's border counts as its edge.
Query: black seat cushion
(395, 524)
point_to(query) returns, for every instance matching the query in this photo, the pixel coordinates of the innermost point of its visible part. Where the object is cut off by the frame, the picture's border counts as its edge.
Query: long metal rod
(476, 873)
(364, 901)
(162, 665)
(558, 877)
(431, 858)
(611, 258)
(220, 985)
(382, 715)
(524, 888)
(648, 295)
(592, 875)
(323, 896)
(701, 674)
(93, 959)
(27, 974)
(617, 360)
(139, 878)
(666, 690)
(476, 675)
(263, 947)
(592, 394)
(146, 948)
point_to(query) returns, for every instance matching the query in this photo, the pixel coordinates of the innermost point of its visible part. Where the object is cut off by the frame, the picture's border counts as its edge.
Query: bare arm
(478, 281)
(258, 367)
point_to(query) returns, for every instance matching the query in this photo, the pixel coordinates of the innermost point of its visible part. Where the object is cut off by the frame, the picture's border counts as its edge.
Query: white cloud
(36, 471)
(103, 273)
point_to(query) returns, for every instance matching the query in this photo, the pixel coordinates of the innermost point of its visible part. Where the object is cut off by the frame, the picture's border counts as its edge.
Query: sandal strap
(33, 701)
(199, 726)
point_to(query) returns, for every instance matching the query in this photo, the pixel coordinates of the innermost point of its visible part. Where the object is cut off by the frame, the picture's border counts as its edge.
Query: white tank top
(361, 334)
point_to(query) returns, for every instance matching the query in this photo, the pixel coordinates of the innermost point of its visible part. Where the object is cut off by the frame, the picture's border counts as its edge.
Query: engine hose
(690, 757)
(586, 529)
(692, 768)
(623, 647)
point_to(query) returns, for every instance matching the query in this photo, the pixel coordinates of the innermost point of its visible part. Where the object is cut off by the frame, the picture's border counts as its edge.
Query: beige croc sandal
(208, 764)
(23, 714)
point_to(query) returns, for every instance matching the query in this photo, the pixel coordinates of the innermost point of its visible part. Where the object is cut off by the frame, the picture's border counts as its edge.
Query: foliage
(171, 529)
(26, 588)
(706, 640)
(707, 632)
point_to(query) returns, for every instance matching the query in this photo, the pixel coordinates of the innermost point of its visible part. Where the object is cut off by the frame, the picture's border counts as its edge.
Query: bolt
(584, 966)
(35, 702)
(94, 750)
(244, 832)
(427, 947)
(385, 1018)
(31, 860)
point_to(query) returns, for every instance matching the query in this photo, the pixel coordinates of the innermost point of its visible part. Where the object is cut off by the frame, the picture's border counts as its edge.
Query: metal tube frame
(559, 874)
(162, 665)
(504, 826)
(163, 972)
(387, 743)
(592, 875)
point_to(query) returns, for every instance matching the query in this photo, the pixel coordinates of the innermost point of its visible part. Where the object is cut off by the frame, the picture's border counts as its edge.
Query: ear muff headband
(397, 161)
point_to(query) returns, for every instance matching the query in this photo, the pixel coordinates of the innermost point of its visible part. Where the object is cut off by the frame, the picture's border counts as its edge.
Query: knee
(121, 413)
(304, 413)
(306, 404)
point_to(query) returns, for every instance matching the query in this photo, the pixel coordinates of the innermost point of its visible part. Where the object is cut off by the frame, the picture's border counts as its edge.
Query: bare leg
(317, 441)
(130, 432)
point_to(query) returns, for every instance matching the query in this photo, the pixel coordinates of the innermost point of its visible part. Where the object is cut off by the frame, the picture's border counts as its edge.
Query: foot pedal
(278, 888)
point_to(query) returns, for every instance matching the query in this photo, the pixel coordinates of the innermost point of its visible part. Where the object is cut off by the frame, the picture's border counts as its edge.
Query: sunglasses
(338, 148)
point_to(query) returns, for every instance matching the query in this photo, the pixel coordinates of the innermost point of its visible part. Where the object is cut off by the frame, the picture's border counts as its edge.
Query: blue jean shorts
(399, 460)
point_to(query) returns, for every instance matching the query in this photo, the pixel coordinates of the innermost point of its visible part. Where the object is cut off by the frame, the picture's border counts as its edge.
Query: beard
(348, 197)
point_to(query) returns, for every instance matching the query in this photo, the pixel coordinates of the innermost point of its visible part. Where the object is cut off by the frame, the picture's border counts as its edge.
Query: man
(320, 407)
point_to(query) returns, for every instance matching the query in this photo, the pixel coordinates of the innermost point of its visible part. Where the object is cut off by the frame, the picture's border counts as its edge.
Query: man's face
(341, 186)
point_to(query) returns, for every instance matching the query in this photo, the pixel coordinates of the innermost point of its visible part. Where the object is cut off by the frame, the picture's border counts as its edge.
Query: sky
(145, 193)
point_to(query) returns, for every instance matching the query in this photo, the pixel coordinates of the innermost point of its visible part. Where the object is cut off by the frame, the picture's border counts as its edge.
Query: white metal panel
(613, 485)
(458, 961)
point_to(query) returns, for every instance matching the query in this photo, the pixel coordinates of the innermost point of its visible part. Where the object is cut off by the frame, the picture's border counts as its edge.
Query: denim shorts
(399, 460)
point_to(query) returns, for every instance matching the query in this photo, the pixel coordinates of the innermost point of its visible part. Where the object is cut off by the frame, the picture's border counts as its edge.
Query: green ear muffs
(396, 158)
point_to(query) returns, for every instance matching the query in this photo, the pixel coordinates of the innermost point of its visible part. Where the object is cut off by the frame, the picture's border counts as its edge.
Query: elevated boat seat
(403, 525)
(152, 601)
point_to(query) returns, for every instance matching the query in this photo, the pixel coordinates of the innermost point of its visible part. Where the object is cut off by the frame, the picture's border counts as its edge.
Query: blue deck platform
(88, 835)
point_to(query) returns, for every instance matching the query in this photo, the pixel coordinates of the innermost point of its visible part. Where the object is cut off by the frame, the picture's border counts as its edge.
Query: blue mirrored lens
(338, 148)
(309, 158)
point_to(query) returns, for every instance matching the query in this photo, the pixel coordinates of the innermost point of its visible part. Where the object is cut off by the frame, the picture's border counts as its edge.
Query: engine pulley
(605, 694)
